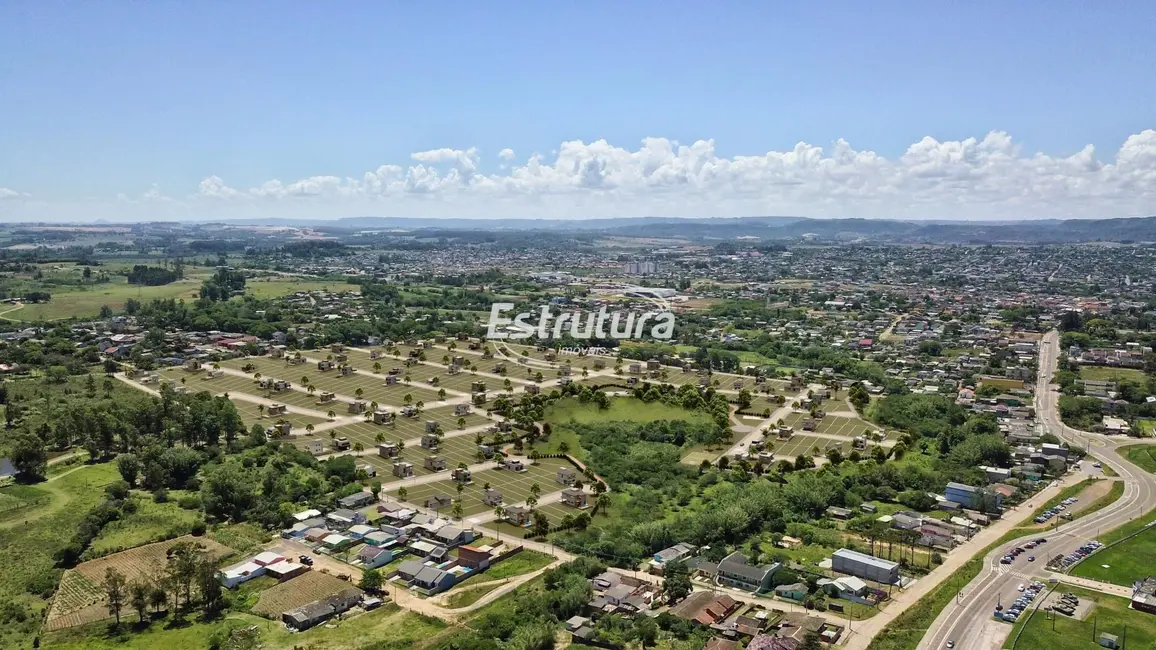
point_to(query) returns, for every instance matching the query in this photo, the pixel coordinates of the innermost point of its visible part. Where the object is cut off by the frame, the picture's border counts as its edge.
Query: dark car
(306, 560)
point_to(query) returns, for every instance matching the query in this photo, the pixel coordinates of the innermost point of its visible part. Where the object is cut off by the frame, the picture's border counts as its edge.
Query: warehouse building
(865, 566)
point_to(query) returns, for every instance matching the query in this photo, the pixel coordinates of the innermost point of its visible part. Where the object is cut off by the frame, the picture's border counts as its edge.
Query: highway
(968, 620)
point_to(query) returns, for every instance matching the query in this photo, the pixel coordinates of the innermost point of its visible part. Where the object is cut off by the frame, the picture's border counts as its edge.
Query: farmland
(82, 595)
(302, 590)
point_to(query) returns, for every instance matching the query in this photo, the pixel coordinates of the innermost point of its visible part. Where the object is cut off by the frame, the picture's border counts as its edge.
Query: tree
(375, 488)
(402, 493)
(811, 642)
(212, 597)
(114, 591)
(129, 467)
(541, 524)
(371, 580)
(676, 583)
(139, 598)
(456, 511)
(27, 455)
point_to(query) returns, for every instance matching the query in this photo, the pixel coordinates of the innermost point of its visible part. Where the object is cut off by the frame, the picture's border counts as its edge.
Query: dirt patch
(1091, 495)
(293, 593)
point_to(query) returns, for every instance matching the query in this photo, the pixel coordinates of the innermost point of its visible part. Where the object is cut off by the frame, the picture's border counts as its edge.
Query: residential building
(865, 566)
(735, 571)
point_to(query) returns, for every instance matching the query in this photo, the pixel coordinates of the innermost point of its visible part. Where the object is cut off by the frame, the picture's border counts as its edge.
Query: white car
(1020, 588)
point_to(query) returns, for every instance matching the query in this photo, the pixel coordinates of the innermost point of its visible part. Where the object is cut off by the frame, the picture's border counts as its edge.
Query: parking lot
(1066, 604)
(1027, 595)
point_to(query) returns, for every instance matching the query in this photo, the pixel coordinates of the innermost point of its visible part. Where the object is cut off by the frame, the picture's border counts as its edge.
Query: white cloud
(976, 178)
(6, 193)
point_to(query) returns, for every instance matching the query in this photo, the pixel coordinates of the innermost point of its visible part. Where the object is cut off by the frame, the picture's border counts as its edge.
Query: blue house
(971, 497)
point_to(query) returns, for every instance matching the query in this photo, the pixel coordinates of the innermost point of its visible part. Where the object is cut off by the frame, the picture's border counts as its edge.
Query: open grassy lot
(831, 425)
(1002, 384)
(86, 302)
(277, 286)
(514, 486)
(1123, 563)
(1109, 614)
(252, 414)
(1106, 373)
(805, 445)
(465, 593)
(1144, 456)
(373, 388)
(151, 522)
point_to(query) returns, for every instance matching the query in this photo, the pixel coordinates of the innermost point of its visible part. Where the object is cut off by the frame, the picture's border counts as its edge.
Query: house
(734, 571)
(337, 542)
(275, 409)
(769, 642)
(315, 447)
(512, 464)
(343, 518)
(461, 409)
(388, 450)
(285, 569)
(409, 569)
(566, 476)
(434, 463)
(574, 497)
(795, 591)
(865, 566)
(429, 441)
(680, 551)
(431, 580)
(357, 407)
(460, 475)
(836, 512)
(356, 500)
(359, 531)
(381, 416)
(372, 557)
(451, 536)
(306, 515)
(846, 587)
(327, 397)
(322, 610)
(705, 608)
(474, 558)
(487, 451)
(402, 469)
(492, 497)
(518, 515)
(233, 576)
(438, 501)
(431, 426)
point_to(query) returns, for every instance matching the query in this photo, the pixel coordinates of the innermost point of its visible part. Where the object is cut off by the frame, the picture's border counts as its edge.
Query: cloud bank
(985, 178)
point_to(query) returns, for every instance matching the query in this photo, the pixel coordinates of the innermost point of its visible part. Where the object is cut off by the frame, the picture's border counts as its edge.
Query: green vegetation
(1109, 614)
(149, 521)
(1125, 562)
(1143, 456)
(1106, 373)
(520, 564)
(278, 286)
(468, 595)
(907, 630)
(87, 302)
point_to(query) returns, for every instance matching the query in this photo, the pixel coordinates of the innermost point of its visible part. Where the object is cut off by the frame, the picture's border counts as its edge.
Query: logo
(658, 322)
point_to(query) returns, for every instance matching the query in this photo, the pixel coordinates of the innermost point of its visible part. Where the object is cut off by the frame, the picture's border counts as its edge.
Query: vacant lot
(1144, 456)
(86, 303)
(277, 286)
(1104, 373)
(831, 425)
(1002, 384)
(150, 522)
(514, 486)
(302, 590)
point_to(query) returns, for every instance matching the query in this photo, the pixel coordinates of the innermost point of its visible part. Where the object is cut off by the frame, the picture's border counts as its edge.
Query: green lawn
(1104, 373)
(622, 409)
(470, 595)
(1109, 614)
(1143, 456)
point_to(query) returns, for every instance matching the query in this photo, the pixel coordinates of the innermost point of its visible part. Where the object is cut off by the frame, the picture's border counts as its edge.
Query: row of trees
(188, 579)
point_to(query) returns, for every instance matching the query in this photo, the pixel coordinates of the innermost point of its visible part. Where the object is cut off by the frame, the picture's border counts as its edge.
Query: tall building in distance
(647, 267)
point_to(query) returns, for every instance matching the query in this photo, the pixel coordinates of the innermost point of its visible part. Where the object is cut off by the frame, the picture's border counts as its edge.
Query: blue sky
(145, 101)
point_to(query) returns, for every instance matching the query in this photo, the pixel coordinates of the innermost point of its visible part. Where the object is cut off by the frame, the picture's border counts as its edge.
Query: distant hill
(1136, 229)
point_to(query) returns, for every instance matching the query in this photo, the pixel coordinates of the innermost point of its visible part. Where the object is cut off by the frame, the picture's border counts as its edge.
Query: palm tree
(359, 392)
(304, 380)
(377, 366)
(331, 415)
(535, 490)
(380, 437)
(358, 447)
(499, 514)
(309, 427)
(531, 502)
(261, 409)
(441, 393)
(603, 502)
(456, 511)
(402, 493)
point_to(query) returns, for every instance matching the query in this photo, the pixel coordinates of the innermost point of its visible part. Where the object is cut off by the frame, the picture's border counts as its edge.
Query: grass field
(1105, 373)
(151, 522)
(277, 286)
(1002, 384)
(469, 595)
(1123, 563)
(372, 386)
(86, 303)
(1144, 456)
(520, 564)
(831, 425)
(622, 409)
(805, 445)
(1109, 614)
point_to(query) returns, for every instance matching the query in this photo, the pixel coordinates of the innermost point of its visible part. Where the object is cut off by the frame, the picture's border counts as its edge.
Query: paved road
(967, 620)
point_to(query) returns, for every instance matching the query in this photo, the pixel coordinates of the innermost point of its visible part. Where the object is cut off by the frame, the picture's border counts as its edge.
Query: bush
(161, 495)
(198, 528)
(190, 502)
(117, 490)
